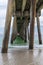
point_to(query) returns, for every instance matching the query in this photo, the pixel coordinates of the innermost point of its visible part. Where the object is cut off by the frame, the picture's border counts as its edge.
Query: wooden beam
(32, 20)
(14, 30)
(7, 27)
(38, 27)
(23, 5)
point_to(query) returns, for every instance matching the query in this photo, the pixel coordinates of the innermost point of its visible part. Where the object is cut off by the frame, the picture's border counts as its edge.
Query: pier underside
(23, 12)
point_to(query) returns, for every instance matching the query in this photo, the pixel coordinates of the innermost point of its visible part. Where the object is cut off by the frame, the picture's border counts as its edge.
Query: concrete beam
(7, 27)
(23, 5)
(14, 30)
(32, 21)
(14, 7)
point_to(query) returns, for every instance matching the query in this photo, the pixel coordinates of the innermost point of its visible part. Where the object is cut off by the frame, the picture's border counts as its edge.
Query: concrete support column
(14, 30)
(32, 20)
(26, 27)
(38, 27)
(28, 32)
(7, 27)
(23, 32)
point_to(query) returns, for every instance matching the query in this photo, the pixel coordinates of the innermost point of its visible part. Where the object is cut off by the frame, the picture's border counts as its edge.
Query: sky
(3, 9)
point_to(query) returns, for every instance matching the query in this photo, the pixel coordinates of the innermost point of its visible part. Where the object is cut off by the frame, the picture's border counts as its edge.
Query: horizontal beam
(23, 5)
(18, 14)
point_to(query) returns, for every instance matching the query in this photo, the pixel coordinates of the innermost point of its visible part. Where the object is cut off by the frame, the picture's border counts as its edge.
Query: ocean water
(35, 35)
(36, 41)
